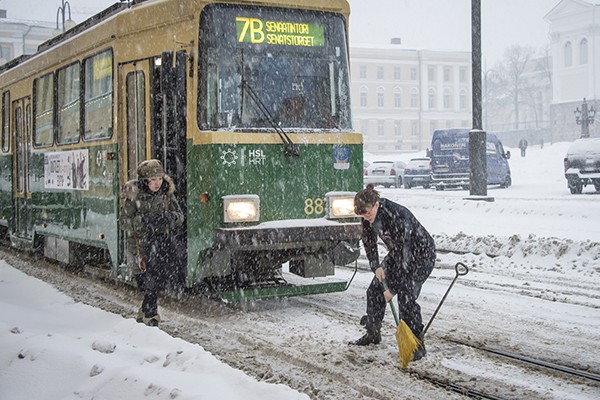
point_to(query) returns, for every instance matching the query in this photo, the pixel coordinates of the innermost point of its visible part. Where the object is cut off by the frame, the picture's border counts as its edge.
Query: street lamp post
(585, 117)
(66, 23)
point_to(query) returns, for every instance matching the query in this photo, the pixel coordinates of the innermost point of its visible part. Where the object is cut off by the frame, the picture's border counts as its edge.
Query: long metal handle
(394, 313)
(461, 269)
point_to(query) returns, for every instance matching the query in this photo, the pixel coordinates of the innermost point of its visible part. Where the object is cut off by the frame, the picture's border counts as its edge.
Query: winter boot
(364, 319)
(140, 316)
(373, 336)
(420, 352)
(152, 321)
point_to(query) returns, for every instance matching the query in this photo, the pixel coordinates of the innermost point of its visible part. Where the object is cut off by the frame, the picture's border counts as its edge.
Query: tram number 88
(314, 206)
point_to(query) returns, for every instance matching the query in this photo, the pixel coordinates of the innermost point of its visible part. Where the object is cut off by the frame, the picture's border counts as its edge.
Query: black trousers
(147, 284)
(407, 286)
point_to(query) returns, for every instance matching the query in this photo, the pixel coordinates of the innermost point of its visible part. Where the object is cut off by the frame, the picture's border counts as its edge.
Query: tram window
(43, 100)
(5, 122)
(136, 120)
(260, 67)
(68, 84)
(98, 96)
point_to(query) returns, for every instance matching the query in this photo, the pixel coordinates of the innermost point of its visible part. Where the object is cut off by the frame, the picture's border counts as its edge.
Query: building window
(431, 74)
(583, 51)
(397, 98)
(397, 73)
(397, 128)
(380, 128)
(5, 52)
(431, 99)
(413, 128)
(568, 54)
(380, 97)
(363, 99)
(448, 124)
(447, 72)
(447, 99)
(414, 98)
(363, 96)
(364, 127)
(362, 72)
(432, 126)
(379, 72)
(413, 74)
(462, 75)
(463, 100)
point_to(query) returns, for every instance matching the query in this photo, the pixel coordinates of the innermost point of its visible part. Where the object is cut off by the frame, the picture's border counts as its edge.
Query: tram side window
(44, 110)
(98, 96)
(5, 122)
(68, 104)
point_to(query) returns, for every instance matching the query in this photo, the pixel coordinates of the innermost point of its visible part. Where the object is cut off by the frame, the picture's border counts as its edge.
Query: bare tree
(510, 70)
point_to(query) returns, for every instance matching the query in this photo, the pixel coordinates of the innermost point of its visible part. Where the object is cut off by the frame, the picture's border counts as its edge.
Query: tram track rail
(269, 355)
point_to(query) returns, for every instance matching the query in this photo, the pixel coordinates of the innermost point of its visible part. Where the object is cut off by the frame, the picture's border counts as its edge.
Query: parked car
(582, 164)
(418, 173)
(385, 173)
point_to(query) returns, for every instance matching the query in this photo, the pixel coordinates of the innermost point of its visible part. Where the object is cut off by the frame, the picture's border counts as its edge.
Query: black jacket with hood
(411, 249)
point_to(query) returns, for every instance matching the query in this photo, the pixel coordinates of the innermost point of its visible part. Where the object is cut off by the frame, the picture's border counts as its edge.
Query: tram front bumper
(288, 234)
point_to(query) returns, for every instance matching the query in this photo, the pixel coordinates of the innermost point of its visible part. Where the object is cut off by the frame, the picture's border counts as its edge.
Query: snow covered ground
(532, 288)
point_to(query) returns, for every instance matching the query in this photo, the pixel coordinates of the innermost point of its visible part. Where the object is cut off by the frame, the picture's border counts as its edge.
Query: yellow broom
(408, 343)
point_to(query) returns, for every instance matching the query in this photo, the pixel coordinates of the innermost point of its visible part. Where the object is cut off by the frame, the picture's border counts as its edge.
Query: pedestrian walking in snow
(150, 214)
(408, 263)
(523, 146)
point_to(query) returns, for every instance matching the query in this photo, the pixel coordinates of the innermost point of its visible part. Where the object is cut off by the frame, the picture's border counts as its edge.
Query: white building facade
(400, 96)
(18, 37)
(575, 46)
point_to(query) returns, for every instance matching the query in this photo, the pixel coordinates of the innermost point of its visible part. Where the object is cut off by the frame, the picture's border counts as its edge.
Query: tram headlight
(241, 208)
(340, 204)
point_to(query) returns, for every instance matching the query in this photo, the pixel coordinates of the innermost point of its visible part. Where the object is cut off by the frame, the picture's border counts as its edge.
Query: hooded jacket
(142, 208)
(407, 241)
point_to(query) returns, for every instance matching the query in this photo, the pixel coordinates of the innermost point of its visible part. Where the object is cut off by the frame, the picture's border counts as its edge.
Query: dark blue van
(450, 159)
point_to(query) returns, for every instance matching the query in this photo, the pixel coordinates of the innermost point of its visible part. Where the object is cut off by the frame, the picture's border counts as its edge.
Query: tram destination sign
(283, 33)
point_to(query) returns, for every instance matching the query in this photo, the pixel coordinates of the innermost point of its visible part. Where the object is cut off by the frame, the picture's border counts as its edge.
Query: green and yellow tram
(247, 104)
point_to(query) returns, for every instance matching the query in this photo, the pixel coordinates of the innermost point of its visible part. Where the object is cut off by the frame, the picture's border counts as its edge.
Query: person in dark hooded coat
(407, 265)
(150, 215)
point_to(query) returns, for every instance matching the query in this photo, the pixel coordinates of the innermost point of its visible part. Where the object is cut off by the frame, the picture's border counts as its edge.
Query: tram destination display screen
(261, 67)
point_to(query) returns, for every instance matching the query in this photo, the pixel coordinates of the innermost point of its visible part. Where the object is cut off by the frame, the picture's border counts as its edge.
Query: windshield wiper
(290, 148)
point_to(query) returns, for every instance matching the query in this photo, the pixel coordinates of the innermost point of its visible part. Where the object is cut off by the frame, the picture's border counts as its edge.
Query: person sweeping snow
(407, 265)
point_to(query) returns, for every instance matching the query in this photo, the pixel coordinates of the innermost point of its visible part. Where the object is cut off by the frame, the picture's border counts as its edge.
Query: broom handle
(459, 272)
(394, 313)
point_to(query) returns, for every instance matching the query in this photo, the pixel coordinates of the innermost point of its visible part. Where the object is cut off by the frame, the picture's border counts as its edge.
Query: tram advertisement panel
(66, 170)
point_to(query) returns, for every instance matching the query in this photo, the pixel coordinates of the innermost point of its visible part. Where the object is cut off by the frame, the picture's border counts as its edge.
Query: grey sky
(446, 24)
(421, 24)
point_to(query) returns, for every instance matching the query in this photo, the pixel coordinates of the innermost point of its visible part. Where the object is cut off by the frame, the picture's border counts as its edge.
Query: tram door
(134, 135)
(21, 113)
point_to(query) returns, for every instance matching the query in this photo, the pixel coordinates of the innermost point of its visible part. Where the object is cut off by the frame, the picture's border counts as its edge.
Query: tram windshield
(261, 67)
